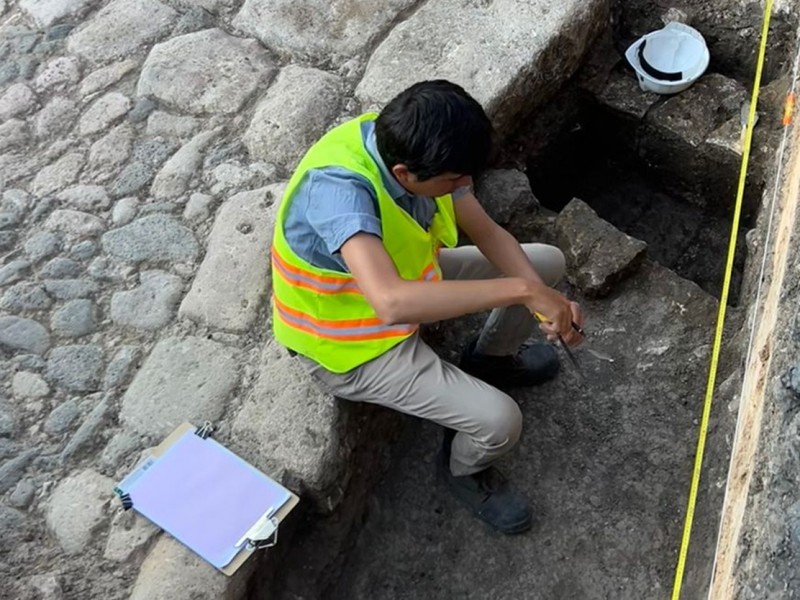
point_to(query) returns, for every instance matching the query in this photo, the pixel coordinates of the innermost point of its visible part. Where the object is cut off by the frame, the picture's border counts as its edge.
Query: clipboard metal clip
(263, 533)
(205, 430)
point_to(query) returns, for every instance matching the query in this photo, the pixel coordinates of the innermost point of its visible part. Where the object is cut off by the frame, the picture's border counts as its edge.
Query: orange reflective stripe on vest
(322, 284)
(348, 330)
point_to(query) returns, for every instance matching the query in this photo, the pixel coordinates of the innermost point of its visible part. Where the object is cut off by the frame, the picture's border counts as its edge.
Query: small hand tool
(542, 319)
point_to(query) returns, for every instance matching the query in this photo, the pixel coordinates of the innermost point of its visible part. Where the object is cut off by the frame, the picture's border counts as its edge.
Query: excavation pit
(607, 460)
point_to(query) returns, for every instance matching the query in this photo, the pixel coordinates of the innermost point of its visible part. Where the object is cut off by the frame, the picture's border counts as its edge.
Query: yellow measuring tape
(723, 301)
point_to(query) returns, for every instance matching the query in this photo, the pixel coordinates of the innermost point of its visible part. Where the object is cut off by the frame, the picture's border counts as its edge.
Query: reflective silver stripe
(345, 332)
(333, 287)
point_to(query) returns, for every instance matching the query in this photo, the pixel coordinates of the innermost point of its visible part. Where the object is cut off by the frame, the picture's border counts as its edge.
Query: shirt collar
(391, 184)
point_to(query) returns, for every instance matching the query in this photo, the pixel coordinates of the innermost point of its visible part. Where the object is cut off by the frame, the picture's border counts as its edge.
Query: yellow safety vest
(321, 313)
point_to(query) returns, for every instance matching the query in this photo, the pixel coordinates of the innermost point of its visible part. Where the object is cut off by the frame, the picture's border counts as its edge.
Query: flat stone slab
(508, 54)
(205, 72)
(296, 111)
(154, 238)
(149, 306)
(120, 29)
(176, 173)
(74, 224)
(289, 425)
(598, 254)
(316, 29)
(76, 368)
(47, 12)
(28, 335)
(182, 380)
(77, 508)
(233, 279)
(173, 571)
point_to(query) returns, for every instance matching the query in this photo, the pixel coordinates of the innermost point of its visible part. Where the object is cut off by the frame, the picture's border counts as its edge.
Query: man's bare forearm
(425, 301)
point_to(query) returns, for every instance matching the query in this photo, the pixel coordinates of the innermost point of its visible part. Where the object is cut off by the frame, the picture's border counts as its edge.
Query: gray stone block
(55, 118)
(119, 448)
(233, 279)
(75, 319)
(86, 197)
(47, 12)
(22, 495)
(500, 47)
(598, 255)
(505, 193)
(198, 208)
(133, 178)
(58, 175)
(42, 245)
(120, 367)
(76, 368)
(124, 211)
(60, 268)
(23, 334)
(121, 29)
(151, 305)
(171, 126)
(103, 77)
(141, 109)
(103, 113)
(18, 100)
(279, 433)
(77, 508)
(11, 471)
(152, 238)
(70, 289)
(84, 250)
(88, 431)
(297, 109)
(73, 224)
(14, 133)
(130, 533)
(8, 239)
(172, 571)
(109, 153)
(14, 271)
(25, 296)
(57, 75)
(13, 526)
(205, 72)
(313, 31)
(8, 422)
(29, 386)
(62, 417)
(176, 173)
(182, 380)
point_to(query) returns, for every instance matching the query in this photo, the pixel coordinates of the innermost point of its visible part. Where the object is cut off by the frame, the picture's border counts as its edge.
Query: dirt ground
(606, 462)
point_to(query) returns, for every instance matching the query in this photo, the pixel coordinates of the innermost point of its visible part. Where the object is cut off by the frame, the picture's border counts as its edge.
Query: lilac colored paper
(205, 496)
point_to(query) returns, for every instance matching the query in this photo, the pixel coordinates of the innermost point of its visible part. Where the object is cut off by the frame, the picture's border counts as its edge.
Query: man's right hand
(559, 314)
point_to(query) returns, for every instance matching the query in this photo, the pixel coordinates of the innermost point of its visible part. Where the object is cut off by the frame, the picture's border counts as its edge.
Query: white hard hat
(669, 60)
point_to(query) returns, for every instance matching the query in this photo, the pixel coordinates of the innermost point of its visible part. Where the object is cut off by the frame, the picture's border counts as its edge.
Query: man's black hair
(434, 127)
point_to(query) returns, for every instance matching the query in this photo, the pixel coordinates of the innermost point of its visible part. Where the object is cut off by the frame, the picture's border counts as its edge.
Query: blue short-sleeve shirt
(332, 204)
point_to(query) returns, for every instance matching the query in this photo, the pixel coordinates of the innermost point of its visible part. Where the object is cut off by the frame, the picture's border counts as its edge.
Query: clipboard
(253, 527)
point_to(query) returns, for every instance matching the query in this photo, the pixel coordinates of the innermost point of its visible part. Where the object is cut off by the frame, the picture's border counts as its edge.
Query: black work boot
(533, 364)
(487, 494)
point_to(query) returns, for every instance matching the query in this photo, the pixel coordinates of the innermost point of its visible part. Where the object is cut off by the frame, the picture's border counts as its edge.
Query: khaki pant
(412, 379)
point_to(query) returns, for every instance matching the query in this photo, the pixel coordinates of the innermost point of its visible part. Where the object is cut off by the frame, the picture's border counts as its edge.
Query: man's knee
(503, 425)
(549, 262)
